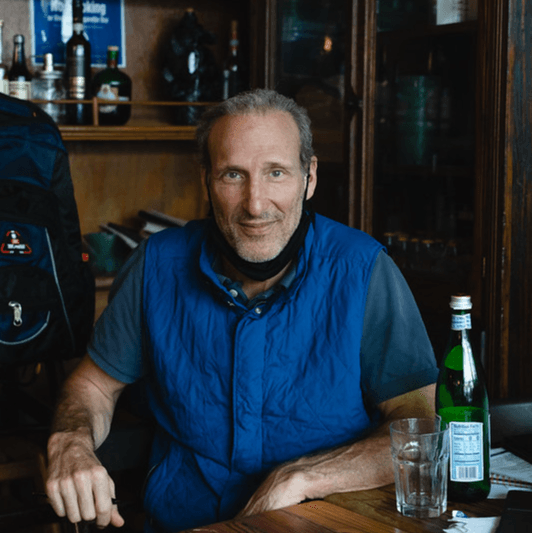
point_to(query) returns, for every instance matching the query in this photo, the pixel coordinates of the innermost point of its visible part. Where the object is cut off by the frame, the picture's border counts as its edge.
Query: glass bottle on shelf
(232, 82)
(19, 76)
(190, 72)
(462, 402)
(48, 85)
(112, 84)
(78, 69)
(4, 82)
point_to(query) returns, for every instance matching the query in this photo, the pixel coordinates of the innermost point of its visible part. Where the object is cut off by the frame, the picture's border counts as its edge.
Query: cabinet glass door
(390, 88)
(309, 64)
(424, 206)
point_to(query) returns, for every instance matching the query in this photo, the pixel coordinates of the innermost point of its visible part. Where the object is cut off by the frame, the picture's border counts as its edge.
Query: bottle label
(460, 322)
(76, 87)
(466, 453)
(20, 89)
(76, 69)
(107, 92)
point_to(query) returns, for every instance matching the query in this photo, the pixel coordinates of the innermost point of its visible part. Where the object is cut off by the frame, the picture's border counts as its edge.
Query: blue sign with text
(103, 22)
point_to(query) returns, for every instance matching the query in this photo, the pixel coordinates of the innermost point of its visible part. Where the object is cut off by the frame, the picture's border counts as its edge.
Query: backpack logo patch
(13, 244)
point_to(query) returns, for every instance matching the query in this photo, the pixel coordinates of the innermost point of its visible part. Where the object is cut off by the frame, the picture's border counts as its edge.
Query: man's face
(256, 182)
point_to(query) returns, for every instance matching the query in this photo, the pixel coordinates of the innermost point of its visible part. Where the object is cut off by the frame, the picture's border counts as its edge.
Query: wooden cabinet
(472, 192)
(330, 56)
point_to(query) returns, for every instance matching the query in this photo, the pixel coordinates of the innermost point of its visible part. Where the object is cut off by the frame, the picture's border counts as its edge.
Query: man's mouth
(256, 228)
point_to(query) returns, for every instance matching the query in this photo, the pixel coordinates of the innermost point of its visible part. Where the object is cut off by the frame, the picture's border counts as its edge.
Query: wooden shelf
(137, 129)
(131, 132)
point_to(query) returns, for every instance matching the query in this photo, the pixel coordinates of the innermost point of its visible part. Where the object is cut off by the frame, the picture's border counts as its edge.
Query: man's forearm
(87, 402)
(78, 486)
(364, 464)
(76, 413)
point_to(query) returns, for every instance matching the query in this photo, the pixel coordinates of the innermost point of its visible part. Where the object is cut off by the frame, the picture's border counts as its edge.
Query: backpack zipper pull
(17, 313)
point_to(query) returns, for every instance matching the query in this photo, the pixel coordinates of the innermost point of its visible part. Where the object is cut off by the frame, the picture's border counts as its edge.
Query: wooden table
(371, 511)
(380, 505)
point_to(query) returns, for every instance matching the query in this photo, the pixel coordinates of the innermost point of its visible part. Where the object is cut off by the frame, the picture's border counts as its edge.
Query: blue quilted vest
(237, 391)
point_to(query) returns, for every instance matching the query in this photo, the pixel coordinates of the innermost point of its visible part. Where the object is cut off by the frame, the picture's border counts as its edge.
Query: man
(276, 345)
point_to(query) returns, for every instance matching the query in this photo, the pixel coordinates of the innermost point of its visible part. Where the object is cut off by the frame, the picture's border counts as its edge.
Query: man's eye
(276, 173)
(231, 175)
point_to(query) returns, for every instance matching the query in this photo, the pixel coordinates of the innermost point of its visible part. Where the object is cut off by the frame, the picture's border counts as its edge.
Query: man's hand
(78, 486)
(283, 487)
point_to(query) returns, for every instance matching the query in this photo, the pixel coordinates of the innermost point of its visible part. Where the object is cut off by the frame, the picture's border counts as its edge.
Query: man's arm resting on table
(78, 486)
(362, 465)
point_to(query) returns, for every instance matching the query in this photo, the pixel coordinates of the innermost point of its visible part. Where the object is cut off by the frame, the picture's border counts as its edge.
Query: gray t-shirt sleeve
(116, 345)
(396, 353)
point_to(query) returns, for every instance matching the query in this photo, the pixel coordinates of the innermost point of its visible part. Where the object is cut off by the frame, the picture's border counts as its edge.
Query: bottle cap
(112, 48)
(461, 302)
(18, 39)
(48, 65)
(48, 72)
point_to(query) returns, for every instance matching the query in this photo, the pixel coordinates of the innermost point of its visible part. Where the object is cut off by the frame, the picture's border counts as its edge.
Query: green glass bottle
(462, 402)
(112, 84)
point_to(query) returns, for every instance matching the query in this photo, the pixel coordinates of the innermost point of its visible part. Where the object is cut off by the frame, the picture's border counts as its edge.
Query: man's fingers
(55, 498)
(116, 518)
(106, 511)
(83, 482)
(69, 497)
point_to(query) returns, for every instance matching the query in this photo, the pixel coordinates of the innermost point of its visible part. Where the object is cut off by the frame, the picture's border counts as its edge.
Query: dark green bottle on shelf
(78, 69)
(112, 84)
(462, 402)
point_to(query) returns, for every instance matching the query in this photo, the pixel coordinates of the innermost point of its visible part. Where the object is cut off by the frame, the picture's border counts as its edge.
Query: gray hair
(257, 101)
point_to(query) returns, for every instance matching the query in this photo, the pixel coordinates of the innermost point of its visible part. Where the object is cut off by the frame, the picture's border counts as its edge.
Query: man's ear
(312, 178)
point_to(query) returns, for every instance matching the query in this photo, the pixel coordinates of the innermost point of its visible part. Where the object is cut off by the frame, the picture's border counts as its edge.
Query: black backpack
(46, 289)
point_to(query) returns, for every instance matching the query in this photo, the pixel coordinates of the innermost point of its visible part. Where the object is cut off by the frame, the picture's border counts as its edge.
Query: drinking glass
(420, 454)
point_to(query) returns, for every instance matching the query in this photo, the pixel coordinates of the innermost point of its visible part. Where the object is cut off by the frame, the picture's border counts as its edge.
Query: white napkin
(461, 524)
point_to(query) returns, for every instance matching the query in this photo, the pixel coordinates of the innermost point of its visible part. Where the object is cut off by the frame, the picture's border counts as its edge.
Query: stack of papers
(155, 221)
(507, 471)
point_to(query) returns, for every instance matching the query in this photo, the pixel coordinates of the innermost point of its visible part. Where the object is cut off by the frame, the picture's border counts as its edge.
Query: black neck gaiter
(266, 269)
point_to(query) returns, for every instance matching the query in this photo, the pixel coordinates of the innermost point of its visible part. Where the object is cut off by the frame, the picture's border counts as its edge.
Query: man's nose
(255, 196)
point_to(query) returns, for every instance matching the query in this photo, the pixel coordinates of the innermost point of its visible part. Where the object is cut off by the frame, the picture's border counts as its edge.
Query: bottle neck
(461, 320)
(112, 60)
(77, 13)
(18, 54)
(77, 28)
